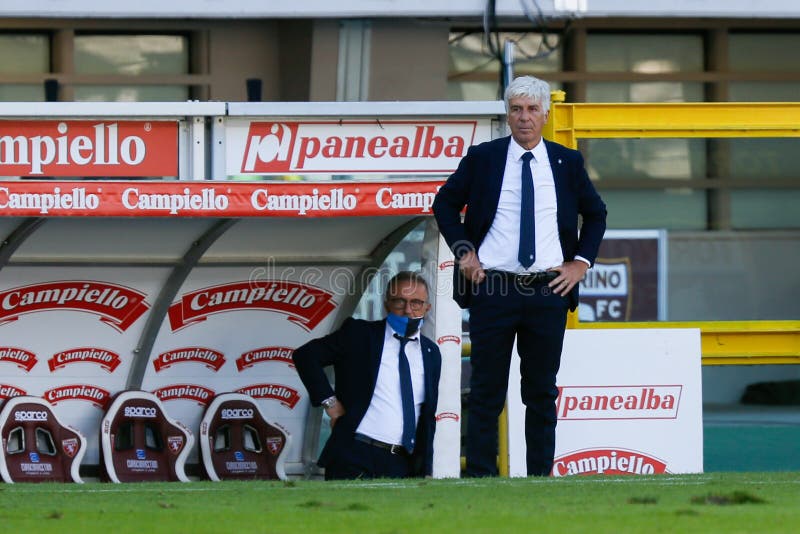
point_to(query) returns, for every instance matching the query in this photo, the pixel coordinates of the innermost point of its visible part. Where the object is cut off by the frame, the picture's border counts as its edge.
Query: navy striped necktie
(407, 396)
(527, 224)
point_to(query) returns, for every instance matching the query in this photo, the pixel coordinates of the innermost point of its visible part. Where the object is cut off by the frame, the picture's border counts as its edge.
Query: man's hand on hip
(470, 267)
(571, 272)
(335, 412)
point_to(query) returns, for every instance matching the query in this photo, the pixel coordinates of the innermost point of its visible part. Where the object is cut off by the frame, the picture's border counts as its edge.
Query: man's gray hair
(528, 86)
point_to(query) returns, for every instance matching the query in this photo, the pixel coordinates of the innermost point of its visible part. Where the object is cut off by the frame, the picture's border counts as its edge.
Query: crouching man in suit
(383, 407)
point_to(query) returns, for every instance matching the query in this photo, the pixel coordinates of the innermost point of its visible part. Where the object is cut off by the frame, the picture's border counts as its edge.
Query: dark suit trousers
(499, 312)
(360, 461)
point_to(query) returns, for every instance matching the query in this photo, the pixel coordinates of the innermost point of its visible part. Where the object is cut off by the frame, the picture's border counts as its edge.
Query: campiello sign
(265, 354)
(85, 392)
(287, 396)
(106, 359)
(350, 147)
(22, 358)
(607, 462)
(212, 359)
(191, 392)
(305, 305)
(118, 306)
(88, 148)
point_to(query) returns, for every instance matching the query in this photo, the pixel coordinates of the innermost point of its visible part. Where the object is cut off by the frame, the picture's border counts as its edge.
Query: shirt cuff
(584, 260)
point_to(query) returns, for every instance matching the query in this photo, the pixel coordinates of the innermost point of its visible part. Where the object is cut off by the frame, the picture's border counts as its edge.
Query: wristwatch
(329, 402)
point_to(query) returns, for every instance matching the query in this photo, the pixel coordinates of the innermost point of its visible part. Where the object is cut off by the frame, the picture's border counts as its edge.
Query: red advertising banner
(99, 148)
(215, 199)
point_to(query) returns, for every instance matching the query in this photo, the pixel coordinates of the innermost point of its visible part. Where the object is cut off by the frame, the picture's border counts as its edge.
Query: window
(137, 56)
(475, 72)
(23, 55)
(123, 439)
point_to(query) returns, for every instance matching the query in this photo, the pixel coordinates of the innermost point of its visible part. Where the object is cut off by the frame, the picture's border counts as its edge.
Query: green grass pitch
(715, 502)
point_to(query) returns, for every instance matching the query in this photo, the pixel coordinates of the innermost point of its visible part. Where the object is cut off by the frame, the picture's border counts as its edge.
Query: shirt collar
(539, 151)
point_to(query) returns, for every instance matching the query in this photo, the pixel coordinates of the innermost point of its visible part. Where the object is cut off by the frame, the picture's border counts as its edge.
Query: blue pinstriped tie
(527, 225)
(407, 396)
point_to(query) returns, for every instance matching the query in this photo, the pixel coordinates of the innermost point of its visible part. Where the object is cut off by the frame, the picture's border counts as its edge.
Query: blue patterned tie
(407, 396)
(527, 225)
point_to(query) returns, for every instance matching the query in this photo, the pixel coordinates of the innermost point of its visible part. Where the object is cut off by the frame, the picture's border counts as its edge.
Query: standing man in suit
(383, 407)
(519, 262)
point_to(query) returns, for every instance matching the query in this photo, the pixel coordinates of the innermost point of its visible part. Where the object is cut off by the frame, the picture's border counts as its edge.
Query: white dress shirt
(384, 418)
(500, 247)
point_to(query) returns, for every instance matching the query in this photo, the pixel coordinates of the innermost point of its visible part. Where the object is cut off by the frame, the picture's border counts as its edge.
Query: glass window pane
(475, 72)
(131, 93)
(21, 93)
(765, 208)
(24, 54)
(764, 52)
(644, 92)
(609, 159)
(729, 276)
(131, 54)
(763, 91)
(675, 209)
(644, 53)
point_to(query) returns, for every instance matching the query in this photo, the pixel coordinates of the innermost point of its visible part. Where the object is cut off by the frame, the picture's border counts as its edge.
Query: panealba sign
(347, 147)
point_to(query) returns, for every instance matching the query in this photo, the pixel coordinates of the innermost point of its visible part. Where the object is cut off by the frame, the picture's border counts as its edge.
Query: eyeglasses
(401, 303)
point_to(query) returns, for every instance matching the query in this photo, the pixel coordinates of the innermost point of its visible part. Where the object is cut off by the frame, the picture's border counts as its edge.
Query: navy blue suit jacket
(476, 184)
(355, 351)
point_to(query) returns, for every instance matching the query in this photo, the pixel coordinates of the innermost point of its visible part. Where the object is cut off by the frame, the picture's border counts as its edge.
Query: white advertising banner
(67, 335)
(287, 147)
(234, 330)
(630, 403)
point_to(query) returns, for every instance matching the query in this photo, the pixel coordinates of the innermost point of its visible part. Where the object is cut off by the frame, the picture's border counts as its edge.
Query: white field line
(395, 484)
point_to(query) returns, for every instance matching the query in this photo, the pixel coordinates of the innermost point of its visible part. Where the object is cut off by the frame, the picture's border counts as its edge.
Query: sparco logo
(192, 392)
(139, 411)
(118, 306)
(212, 359)
(305, 305)
(87, 148)
(106, 359)
(618, 402)
(453, 339)
(449, 264)
(265, 354)
(7, 391)
(283, 394)
(30, 415)
(20, 357)
(608, 462)
(97, 396)
(237, 413)
(354, 146)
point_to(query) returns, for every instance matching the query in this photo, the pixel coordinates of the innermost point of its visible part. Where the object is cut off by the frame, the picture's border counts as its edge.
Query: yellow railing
(723, 343)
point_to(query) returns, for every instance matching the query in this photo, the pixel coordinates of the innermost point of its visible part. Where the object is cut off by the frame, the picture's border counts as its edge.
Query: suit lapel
(376, 335)
(558, 166)
(497, 168)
